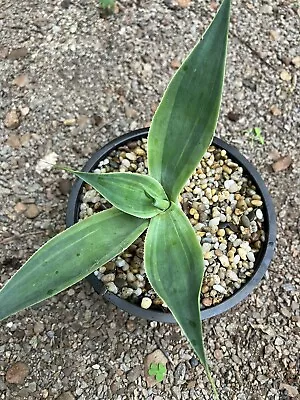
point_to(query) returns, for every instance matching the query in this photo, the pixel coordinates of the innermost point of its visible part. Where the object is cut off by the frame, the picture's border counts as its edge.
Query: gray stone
(180, 372)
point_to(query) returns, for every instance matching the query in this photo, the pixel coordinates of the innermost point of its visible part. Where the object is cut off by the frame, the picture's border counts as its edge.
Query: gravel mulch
(69, 82)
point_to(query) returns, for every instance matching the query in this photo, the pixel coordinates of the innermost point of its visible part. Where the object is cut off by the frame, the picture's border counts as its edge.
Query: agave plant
(180, 133)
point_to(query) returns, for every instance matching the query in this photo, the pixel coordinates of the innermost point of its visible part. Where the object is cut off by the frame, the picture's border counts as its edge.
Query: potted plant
(180, 134)
(114, 280)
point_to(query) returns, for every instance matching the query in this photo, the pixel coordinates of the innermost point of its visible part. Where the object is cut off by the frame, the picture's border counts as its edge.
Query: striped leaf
(174, 266)
(135, 194)
(69, 257)
(184, 123)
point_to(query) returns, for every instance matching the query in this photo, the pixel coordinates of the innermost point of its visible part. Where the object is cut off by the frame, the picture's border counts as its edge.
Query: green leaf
(159, 377)
(161, 368)
(135, 194)
(157, 370)
(152, 370)
(107, 3)
(258, 135)
(69, 257)
(174, 266)
(184, 123)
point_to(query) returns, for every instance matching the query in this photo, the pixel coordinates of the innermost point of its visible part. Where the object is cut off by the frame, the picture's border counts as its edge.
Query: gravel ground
(70, 82)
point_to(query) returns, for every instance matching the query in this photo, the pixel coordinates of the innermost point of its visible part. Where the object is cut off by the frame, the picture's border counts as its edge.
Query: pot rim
(262, 263)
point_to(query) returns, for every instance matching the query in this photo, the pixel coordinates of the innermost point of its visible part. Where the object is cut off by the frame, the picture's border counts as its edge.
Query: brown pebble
(18, 53)
(32, 211)
(207, 301)
(257, 245)
(218, 253)
(17, 373)
(242, 205)
(175, 64)
(110, 266)
(282, 164)
(130, 325)
(218, 354)
(275, 110)
(233, 116)
(204, 289)
(183, 3)
(64, 186)
(130, 112)
(38, 328)
(12, 120)
(157, 301)
(21, 80)
(14, 141)
(20, 207)
(3, 52)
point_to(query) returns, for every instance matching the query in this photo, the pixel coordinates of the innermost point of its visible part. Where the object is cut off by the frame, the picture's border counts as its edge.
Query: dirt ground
(71, 81)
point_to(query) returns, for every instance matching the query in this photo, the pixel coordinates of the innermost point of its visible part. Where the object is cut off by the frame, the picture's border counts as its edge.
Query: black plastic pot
(263, 259)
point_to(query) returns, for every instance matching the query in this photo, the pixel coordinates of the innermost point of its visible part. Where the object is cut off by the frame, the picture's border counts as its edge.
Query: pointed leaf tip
(139, 195)
(185, 121)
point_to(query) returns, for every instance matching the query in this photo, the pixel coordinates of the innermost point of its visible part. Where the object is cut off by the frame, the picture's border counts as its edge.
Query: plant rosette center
(225, 210)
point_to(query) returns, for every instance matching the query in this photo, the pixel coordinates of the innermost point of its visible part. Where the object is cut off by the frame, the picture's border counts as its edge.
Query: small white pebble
(232, 275)
(89, 211)
(223, 246)
(125, 267)
(232, 237)
(138, 291)
(237, 242)
(112, 287)
(197, 190)
(139, 277)
(246, 246)
(206, 247)
(251, 256)
(279, 341)
(236, 259)
(223, 218)
(219, 289)
(214, 222)
(120, 262)
(198, 226)
(205, 200)
(130, 277)
(259, 214)
(231, 186)
(126, 163)
(146, 303)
